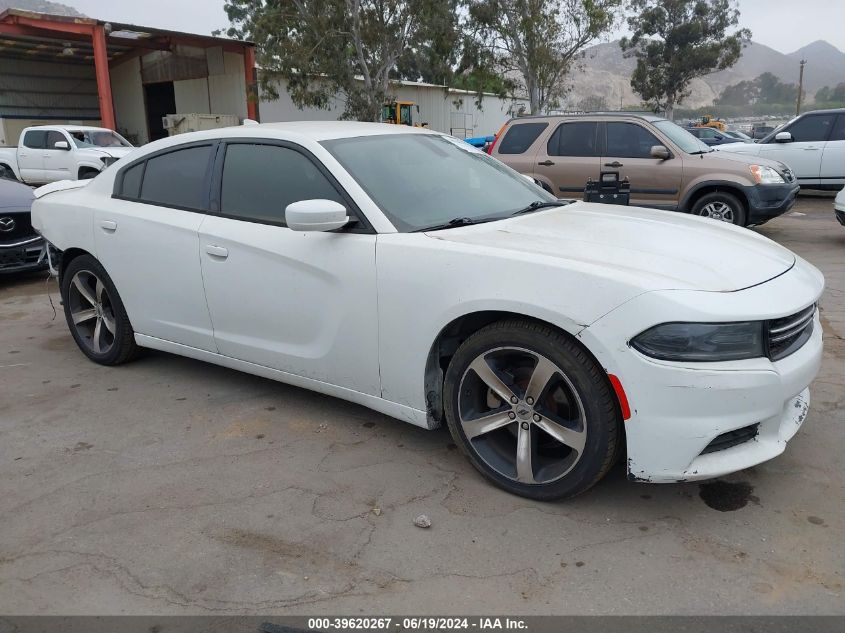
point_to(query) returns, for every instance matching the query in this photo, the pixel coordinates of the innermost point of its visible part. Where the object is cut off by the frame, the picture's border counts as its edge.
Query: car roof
(645, 116)
(325, 130)
(72, 128)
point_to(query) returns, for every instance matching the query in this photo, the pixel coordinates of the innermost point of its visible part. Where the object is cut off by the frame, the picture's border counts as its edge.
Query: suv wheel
(720, 206)
(95, 314)
(532, 410)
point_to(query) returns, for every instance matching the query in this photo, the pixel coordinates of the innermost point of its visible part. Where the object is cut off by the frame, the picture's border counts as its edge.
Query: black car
(21, 248)
(712, 136)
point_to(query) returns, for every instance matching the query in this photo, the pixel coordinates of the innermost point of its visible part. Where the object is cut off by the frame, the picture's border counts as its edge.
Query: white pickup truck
(48, 153)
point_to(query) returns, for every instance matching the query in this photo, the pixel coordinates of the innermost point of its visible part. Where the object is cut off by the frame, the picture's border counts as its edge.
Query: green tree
(344, 48)
(837, 95)
(593, 103)
(538, 42)
(823, 95)
(675, 41)
(739, 94)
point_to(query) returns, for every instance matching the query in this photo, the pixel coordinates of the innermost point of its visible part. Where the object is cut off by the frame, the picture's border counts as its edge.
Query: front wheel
(95, 313)
(533, 412)
(720, 206)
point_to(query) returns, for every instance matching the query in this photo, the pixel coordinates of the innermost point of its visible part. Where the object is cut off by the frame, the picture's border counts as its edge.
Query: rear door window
(521, 136)
(35, 139)
(574, 139)
(178, 178)
(838, 133)
(629, 140)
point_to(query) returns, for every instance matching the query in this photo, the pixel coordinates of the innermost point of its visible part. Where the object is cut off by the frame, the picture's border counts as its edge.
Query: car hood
(15, 196)
(659, 250)
(739, 148)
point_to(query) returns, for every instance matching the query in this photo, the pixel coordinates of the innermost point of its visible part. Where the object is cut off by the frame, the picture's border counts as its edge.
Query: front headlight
(702, 341)
(764, 175)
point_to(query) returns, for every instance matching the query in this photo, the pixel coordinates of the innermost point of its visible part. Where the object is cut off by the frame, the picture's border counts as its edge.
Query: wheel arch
(704, 189)
(68, 256)
(453, 334)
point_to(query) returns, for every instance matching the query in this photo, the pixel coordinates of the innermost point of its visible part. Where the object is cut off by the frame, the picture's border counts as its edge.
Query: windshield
(85, 139)
(680, 137)
(427, 180)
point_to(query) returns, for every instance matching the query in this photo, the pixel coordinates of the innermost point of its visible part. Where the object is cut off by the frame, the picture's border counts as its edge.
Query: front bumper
(25, 255)
(679, 409)
(766, 202)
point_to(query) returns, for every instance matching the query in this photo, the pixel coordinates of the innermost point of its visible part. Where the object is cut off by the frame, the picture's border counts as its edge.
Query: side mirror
(62, 145)
(661, 152)
(783, 137)
(316, 215)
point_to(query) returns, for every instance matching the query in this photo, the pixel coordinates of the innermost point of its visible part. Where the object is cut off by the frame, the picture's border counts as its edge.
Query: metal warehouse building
(58, 69)
(445, 109)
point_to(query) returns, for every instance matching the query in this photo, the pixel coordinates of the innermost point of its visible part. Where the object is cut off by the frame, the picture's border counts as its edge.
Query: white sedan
(408, 272)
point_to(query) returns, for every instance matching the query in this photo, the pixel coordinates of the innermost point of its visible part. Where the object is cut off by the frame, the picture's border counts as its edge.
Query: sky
(776, 23)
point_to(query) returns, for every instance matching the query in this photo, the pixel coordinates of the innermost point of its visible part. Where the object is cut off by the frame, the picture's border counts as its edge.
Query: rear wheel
(720, 206)
(532, 410)
(95, 314)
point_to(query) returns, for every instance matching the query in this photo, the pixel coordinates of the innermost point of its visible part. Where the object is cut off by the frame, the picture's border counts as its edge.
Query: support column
(251, 83)
(101, 66)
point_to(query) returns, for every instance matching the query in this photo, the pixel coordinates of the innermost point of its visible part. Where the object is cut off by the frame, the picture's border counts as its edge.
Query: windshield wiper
(454, 222)
(539, 204)
(702, 151)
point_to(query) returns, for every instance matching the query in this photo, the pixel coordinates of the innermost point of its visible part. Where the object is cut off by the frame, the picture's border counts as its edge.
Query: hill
(41, 6)
(606, 72)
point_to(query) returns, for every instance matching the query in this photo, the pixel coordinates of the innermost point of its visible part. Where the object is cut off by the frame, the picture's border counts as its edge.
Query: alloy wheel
(718, 211)
(522, 415)
(92, 312)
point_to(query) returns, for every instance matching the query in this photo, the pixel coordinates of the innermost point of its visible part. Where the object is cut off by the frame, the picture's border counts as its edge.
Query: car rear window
(520, 137)
(177, 179)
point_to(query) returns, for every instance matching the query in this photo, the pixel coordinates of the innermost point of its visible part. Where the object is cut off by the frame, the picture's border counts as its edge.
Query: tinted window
(53, 138)
(706, 133)
(628, 140)
(260, 181)
(811, 128)
(177, 179)
(520, 137)
(838, 133)
(36, 139)
(573, 139)
(132, 181)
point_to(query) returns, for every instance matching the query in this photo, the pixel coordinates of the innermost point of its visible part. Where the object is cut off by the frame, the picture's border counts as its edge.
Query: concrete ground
(171, 486)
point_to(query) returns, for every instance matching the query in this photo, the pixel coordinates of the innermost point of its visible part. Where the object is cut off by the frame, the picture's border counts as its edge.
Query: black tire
(578, 376)
(7, 173)
(712, 204)
(80, 277)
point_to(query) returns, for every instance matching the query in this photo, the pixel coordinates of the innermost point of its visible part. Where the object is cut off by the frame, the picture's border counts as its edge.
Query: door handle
(811, 149)
(217, 251)
(109, 226)
(615, 164)
(546, 163)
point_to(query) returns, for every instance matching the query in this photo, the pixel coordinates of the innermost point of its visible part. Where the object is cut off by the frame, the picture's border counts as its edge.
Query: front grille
(786, 335)
(22, 227)
(732, 438)
(22, 256)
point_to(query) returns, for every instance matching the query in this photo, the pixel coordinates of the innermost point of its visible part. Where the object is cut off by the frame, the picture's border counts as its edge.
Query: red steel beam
(251, 84)
(50, 25)
(101, 68)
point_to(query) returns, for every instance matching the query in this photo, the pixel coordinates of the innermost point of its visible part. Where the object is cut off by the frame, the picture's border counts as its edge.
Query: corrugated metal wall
(451, 111)
(47, 90)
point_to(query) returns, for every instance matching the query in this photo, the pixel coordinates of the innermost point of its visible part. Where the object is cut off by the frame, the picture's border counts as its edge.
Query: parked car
(21, 248)
(710, 136)
(668, 167)
(759, 132)
(409, 272)
(49, 153)
(813, 145)
(742, 136)
(839, 207)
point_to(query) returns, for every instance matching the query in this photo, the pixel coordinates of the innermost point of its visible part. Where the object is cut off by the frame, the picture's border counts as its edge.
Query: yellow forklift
(402, 113)
(708, 121)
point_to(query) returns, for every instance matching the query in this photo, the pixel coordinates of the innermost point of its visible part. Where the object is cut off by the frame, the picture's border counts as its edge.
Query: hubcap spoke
(108, 320)
(543, 373)
(98, 331)
(524, 469)
(486, 424)
(85, 292)
(99, 291)
(84, 315)
(573, 439)
(482, 368)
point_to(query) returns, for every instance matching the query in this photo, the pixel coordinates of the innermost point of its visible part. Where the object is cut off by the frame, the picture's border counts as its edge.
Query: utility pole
(800, 87)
